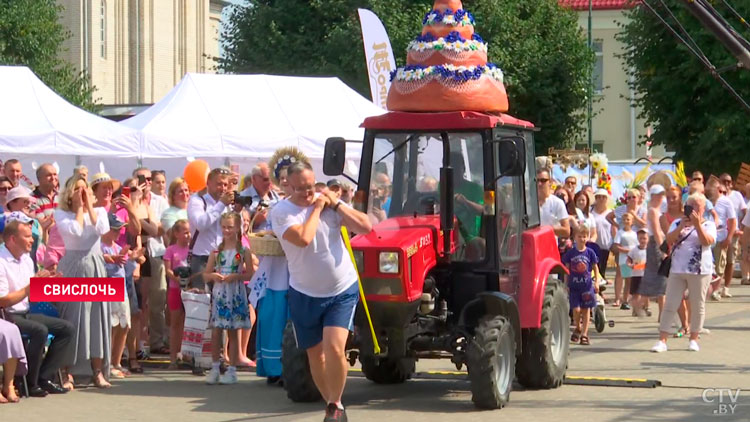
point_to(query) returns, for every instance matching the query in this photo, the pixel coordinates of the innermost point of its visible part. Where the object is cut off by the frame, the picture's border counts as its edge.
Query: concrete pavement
(689, 391)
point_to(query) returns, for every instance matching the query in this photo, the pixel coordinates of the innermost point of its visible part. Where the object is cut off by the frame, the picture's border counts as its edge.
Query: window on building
(598, 146)
(598, 47)
(103, 29)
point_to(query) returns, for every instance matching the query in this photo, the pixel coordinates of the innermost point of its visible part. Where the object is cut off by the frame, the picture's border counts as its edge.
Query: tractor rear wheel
(387, 371)
(298, 381)
(491, 362)
(544, 357)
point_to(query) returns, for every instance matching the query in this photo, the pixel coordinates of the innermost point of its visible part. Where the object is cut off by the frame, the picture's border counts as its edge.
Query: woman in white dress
(81, 225)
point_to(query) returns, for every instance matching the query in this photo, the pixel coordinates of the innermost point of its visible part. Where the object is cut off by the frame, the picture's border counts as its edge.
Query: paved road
(622, 351)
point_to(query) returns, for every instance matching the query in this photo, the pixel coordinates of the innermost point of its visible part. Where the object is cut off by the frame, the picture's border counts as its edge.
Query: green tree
(690, 111)
(31, 35)
(536, 43)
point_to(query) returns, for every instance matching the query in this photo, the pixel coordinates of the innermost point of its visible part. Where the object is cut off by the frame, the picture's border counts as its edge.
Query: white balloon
(34, 165)
(190, 159)
(101, 166)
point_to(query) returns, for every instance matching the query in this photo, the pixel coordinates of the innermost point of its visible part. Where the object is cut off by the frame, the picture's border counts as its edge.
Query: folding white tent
(242, 119)
(37, 125)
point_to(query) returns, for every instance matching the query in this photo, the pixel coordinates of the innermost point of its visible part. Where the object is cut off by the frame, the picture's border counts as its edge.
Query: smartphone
(688, 210)
(376, 202)
(126, 191)
(141, 179)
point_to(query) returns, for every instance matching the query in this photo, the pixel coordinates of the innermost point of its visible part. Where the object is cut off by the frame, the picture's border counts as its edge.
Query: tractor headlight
(359, 258)
(388, 262)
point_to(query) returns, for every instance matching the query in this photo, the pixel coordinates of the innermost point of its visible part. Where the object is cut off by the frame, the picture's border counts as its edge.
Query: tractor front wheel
(298, 380)
(387, 371)
(491, 362)
(544, 357)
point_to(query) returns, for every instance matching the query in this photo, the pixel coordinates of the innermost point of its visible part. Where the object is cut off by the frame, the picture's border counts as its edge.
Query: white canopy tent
(243, 119)
(37, 125)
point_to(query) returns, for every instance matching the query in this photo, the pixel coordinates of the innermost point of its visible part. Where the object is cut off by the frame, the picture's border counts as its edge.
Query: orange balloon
(196, 174)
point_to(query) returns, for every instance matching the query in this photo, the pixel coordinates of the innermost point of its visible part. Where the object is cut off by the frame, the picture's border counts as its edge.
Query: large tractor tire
(298, 381)
(544, 357)
(387, 371)
(491, 362)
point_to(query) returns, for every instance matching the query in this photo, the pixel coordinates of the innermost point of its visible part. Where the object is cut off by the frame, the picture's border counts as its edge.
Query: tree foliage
(690, 111)
(536, 43)
(31, 35)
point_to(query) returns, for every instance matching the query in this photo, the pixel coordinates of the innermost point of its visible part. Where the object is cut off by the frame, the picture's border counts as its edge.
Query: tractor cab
(456, 186)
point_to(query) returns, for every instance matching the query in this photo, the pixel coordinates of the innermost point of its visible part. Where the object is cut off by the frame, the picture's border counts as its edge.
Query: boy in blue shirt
(581, 261)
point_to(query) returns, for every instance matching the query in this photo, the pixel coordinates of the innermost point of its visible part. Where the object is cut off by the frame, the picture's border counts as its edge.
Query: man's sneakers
(213, 376)
(335, 414)
(725, 292)
(693, 346)
(659, 347)
(745, 281)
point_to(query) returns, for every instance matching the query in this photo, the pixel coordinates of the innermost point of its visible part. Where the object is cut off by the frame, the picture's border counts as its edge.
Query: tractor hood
(414, 243)
(402, 233)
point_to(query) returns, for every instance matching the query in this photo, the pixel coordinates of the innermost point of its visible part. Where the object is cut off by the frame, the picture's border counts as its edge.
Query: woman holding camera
(691, 238)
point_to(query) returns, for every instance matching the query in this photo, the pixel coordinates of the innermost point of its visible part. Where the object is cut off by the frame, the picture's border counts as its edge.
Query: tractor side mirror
(512, 156)
(334, 157)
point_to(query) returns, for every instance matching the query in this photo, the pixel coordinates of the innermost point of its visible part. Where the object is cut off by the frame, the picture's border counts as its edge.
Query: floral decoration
(452, 42)
(447, 72)
(448, 17)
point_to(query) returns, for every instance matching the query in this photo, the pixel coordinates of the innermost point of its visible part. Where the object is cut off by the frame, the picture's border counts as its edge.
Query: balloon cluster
(600, 165)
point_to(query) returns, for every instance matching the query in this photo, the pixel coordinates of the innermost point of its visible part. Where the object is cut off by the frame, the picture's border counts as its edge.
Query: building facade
(617, 130)
(135, 51)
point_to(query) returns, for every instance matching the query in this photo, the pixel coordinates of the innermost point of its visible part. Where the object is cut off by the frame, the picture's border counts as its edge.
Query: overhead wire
(698, 54)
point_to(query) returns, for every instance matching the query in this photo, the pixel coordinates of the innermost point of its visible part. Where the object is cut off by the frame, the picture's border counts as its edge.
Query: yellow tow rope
(345, 236)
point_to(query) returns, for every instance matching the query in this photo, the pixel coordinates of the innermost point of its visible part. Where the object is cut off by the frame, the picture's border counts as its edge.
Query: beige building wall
(135, 51)
(615, 124)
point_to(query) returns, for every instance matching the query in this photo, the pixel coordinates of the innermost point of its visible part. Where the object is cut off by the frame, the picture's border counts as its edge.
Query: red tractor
(456, 265)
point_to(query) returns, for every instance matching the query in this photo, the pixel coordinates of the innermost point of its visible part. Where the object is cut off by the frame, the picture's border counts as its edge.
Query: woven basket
(267, 245)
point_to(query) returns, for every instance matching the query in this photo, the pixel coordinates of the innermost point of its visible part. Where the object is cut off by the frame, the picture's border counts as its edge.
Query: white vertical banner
(378, 55)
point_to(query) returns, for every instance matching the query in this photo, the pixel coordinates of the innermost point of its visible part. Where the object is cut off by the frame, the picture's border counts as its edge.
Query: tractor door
(509, 194)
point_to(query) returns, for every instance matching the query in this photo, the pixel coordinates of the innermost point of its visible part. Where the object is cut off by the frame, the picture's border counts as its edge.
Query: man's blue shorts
(310, 314)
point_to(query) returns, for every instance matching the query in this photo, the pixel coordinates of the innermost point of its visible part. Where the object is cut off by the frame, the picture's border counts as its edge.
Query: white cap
(656, 189)
(602, 192)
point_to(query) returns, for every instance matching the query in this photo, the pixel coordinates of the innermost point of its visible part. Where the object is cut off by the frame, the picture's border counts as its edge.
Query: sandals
(134, 369)
(119, 372)
(575, 337)
(585, 341)
(98, 383)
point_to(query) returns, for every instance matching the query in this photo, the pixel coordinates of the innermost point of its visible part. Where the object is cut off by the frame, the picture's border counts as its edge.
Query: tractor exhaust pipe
(446, 196)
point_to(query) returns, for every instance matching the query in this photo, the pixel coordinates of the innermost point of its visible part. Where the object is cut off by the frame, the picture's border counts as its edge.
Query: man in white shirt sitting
(323, 289)
(552, 209)
(16, 271)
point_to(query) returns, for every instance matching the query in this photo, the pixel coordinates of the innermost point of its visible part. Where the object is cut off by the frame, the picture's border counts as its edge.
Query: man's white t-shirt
(726, 211)
(740, 206)
(323, 268)
(552, 211)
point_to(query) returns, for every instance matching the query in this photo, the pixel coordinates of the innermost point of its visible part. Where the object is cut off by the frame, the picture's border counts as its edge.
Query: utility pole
(590, 97)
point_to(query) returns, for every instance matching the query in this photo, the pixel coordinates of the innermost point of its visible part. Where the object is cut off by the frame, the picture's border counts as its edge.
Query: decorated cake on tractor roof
(457, 265)
(446, 67)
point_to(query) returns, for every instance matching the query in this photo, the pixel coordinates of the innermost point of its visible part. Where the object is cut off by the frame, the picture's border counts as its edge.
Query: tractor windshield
(405, 181)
